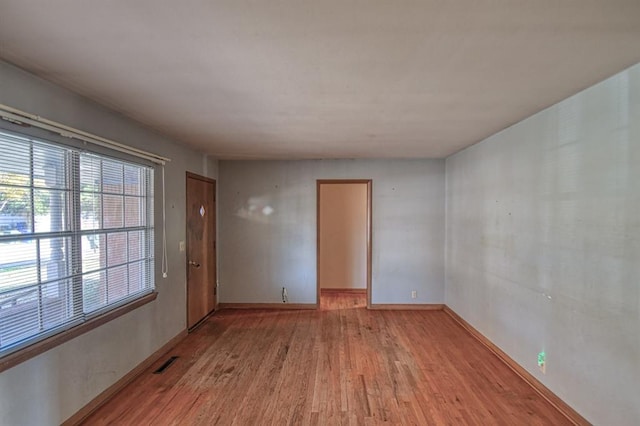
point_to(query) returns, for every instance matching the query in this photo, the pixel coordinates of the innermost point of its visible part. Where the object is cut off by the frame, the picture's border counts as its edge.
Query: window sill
(37, 348)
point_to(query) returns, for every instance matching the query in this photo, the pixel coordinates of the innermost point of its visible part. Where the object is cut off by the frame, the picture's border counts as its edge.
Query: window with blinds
(76, 237)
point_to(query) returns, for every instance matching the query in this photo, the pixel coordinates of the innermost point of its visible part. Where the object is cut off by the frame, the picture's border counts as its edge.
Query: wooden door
(201, 248)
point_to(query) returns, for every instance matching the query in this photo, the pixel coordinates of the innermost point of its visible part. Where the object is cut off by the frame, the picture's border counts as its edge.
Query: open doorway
(344, 239)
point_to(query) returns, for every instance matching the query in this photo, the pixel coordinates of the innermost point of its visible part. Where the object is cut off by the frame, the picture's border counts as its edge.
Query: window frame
(43, 342)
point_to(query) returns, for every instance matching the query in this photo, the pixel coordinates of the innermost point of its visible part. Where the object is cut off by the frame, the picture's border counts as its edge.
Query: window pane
(91, 206)
(112, 176)
(137, 281)
(134, 211)
(136, 245)
(50, 210)
(117, 248)
(118, 284)
(55, 262)
(49, 169)
(94, 255)
(150, 245)
(15, 207)
(19, 315)
(90, 173)
(94, 291)
(56, 303)
(132, 180)
(18, 264)
(113, 211)
(16, 156)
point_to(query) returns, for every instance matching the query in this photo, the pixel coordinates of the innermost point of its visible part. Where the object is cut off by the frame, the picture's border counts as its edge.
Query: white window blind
(76, 237)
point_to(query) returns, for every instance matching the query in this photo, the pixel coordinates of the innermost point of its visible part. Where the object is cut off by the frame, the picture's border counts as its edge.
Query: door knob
(194, 264)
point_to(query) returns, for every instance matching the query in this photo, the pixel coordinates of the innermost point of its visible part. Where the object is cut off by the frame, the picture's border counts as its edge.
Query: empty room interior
(328, 212)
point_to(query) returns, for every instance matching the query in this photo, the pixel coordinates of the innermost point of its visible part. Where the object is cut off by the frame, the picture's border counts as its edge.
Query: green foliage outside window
(15, 196)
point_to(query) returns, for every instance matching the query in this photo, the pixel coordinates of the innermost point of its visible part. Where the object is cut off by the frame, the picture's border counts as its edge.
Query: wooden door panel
(201, 232)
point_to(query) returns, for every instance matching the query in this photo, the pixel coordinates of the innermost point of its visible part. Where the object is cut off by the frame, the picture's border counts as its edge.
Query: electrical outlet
(542, 362)
(414, 294)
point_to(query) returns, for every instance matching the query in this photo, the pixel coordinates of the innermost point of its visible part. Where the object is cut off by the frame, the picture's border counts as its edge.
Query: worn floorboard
(342, 364)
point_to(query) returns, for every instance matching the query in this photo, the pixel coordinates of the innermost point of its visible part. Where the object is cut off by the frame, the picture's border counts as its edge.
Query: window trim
(21, 355)
(25, 119)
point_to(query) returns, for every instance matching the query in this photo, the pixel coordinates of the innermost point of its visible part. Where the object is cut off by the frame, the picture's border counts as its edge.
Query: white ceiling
(323, 78)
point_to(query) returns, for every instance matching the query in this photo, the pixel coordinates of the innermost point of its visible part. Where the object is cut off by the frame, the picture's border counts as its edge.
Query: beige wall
(343, 235)
(49, 388)
(262, 250)
(543, 242)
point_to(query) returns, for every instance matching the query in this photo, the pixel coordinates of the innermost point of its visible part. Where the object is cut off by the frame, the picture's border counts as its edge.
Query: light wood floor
(342, 364)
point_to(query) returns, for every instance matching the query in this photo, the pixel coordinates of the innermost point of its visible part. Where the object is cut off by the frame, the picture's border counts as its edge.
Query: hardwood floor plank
(342, 365)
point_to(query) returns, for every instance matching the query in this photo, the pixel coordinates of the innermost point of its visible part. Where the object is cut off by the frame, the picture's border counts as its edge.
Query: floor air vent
(166, 365)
